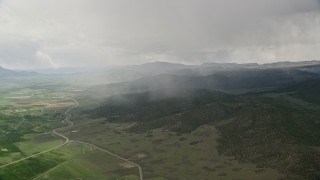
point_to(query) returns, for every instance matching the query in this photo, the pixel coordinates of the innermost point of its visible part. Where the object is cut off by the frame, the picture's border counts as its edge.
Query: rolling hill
(265, 131)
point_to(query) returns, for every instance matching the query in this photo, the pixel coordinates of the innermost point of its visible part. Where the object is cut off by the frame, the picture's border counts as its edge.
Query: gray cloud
(55, 33)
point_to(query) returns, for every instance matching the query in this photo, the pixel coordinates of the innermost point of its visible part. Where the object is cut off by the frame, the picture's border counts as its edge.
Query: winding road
(67, 140)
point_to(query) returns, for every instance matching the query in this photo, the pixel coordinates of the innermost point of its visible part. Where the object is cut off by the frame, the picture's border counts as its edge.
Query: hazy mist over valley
(160, 90)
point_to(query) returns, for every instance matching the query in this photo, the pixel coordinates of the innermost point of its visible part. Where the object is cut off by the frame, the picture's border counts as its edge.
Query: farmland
(29, 149)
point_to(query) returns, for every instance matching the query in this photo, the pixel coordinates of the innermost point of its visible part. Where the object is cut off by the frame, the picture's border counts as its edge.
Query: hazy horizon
(39, 69)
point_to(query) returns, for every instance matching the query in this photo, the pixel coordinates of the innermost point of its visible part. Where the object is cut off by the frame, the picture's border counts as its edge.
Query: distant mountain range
(12, 73)
(117, 74)
(229, 77)
(174, 66)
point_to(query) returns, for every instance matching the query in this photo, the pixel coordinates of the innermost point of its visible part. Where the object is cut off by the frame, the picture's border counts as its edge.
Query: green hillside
(268, 132)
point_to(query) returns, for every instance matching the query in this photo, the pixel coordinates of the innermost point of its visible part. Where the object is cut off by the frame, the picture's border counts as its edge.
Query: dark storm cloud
(104, 32)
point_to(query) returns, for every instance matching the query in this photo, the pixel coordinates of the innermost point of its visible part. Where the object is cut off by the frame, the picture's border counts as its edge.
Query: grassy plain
(168, 155)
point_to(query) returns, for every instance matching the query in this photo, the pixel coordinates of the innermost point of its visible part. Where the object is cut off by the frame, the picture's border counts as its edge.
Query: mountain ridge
(13, 73)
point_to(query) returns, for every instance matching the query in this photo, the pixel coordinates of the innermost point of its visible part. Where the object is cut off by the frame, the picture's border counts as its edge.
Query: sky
(97, 33)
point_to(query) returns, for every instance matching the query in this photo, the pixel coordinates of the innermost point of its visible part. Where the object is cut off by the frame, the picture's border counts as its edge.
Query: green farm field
(30, 150)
